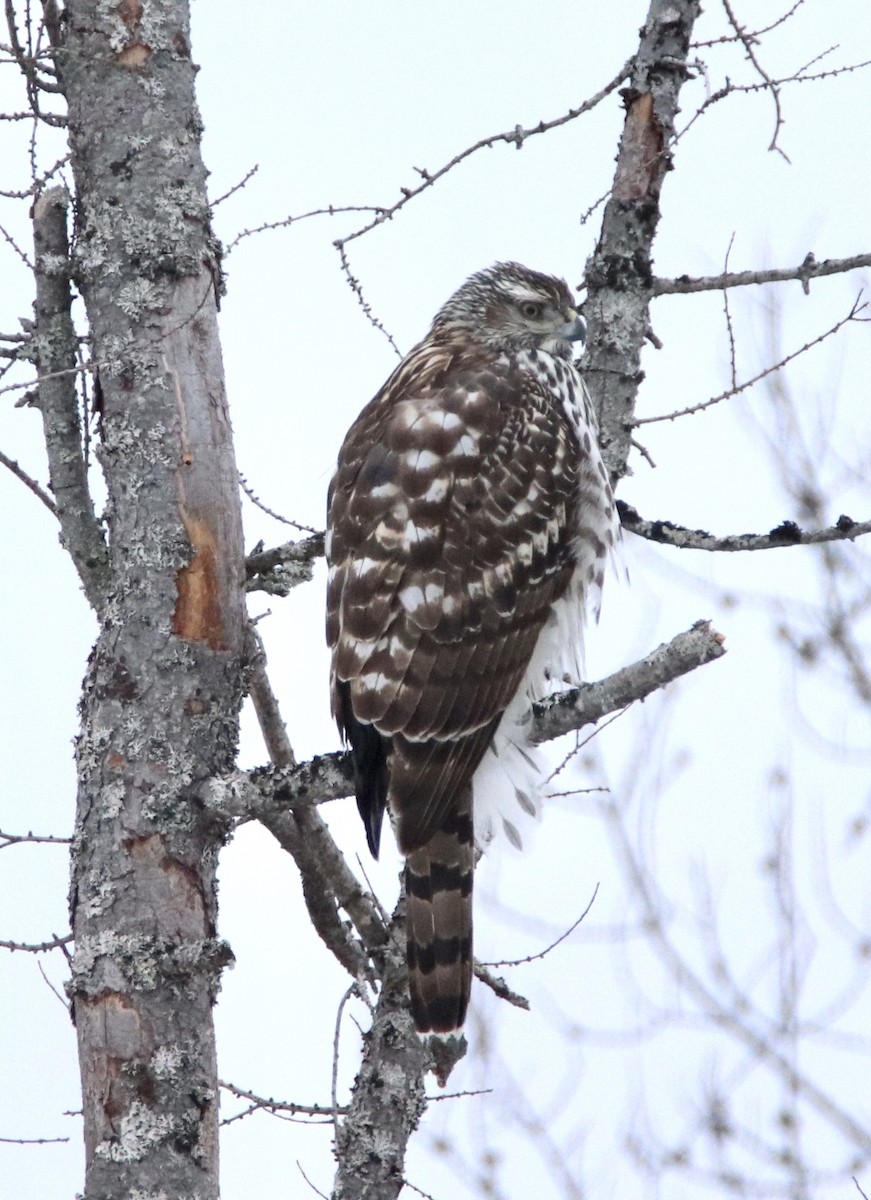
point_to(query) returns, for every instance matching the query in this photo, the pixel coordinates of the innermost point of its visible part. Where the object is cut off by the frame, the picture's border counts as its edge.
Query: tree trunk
(619, 274)
(162, 694)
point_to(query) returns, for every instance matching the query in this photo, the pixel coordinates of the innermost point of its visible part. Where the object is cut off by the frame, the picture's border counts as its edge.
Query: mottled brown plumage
(469, 517)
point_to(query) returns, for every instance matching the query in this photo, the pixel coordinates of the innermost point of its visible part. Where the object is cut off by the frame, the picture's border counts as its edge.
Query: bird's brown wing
(451, 519)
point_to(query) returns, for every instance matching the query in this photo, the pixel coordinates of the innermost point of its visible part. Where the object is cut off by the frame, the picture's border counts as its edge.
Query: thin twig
(514, 137)
(317, 1191)
(757, 33)
(246, 178)
(499, 987)
(852, 315)
(334, 1076)
(56, 943)
(255, 499)
(52, 988)
(414, 1188)
(29, 481)
(15, 839)
(733, 366)
(734, 89)
(517, 962)
(470, 1092)
(747, 40)
(762, 1046)
(276, 1106)
(10, 240)
(357, 288)
(38, 184)
(331, 210)
(32, 1141)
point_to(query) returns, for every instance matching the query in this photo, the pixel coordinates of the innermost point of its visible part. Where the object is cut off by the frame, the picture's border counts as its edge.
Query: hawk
(470, 518)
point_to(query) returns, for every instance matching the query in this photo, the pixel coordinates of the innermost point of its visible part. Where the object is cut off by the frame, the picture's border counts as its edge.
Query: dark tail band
(438, 884)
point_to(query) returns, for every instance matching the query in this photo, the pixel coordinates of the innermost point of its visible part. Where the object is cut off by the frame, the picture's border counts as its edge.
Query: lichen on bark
(161, 698)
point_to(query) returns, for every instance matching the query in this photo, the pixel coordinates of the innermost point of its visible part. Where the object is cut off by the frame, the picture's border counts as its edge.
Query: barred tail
(438, 885)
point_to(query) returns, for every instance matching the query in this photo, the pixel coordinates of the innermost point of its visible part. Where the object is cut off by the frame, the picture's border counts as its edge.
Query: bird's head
(509, 307)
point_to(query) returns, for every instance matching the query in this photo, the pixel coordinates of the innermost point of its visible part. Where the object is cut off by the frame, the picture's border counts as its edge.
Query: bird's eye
(531, 309)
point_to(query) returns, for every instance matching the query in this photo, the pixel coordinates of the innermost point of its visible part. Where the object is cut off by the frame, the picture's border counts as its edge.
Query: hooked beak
(574, 330)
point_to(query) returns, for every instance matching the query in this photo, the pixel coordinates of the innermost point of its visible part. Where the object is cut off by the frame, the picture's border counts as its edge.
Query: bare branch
(590, 702)
(852, 315)
(317, 1191)
(246, 178)
(268, 1104)
(62, 1000)
(328, 883)
(17, 340)
(498, 986)
(265, 703)
(809, 269)
(32, 1141)
(278, 570)
(10, 241)
(748, 40)
(15, 839)
(762, 1046)
(270, 512)
(267, 793)
(517, 962)
(785, 534)
(265, 572)
(756, 33)
(29, 65)
(28, 481)
(27, 385)
(412, 1187)
(357, 288)
(55, 350)
(734, 89)
(331, 210)
(514, 137)
(730, 329)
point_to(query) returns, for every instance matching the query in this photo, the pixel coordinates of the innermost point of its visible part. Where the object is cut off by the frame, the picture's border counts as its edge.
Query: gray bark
(164, 684)
(283, 798)
(619, 273)
(387, 1101)
(56, 358)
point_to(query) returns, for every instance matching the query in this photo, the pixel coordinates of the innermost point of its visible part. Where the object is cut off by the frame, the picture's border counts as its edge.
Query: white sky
(337, 105)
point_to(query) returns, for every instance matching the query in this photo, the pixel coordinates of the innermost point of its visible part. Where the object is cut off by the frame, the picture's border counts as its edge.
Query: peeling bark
(619, 274)
(162, 694)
